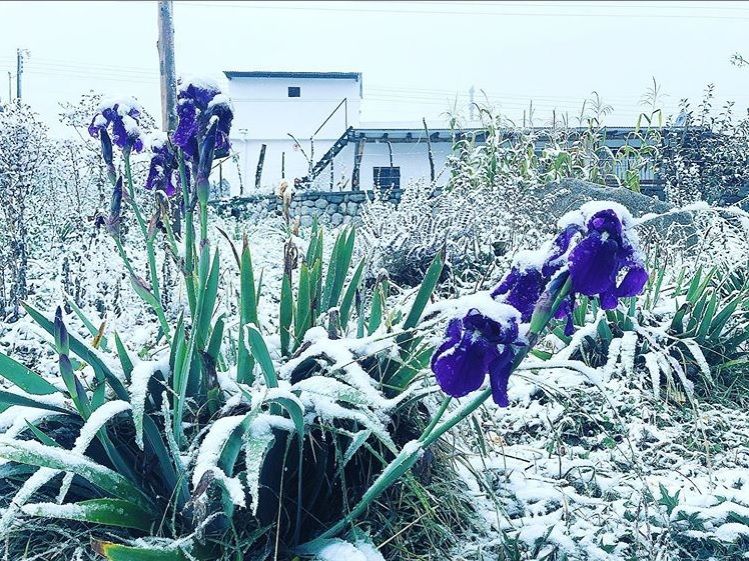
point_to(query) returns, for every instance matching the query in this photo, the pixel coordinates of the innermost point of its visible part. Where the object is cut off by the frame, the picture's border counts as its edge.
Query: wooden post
(260, 162)
(332, 173)
(357, 163)
(283, 165)
(429, 151)
(390, 152)
(165, 45)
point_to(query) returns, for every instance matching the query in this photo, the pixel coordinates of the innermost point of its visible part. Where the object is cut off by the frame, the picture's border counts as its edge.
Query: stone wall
(328, 207)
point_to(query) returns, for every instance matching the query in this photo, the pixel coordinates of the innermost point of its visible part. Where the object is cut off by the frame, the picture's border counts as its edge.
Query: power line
(468, 13)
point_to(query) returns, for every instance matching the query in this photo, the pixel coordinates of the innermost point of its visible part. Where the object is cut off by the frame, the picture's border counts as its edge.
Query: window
(295, 91)
(387, 177)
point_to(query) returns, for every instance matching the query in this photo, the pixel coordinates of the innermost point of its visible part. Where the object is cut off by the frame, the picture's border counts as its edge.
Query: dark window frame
(391, 179)
(294, 91)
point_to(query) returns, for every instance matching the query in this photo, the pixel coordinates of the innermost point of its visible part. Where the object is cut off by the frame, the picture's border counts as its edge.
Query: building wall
(265, 114)
(412, 158)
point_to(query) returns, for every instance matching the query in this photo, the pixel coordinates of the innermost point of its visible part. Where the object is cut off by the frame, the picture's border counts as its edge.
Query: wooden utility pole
(358, 155)
(19, 71)
(429, 150)
(260, 163)
(165, 46)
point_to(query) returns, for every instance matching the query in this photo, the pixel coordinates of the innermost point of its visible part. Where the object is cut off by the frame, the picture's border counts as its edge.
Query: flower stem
(152, 271)
(189, 270)
(410, 453)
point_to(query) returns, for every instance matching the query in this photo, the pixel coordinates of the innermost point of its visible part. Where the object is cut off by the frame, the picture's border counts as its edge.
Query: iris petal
(633, 282)
(499, 375)
(593, 265)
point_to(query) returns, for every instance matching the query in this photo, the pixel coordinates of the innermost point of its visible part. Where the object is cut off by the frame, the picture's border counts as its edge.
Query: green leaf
(247, 314)
(286, 314)
(217, 334)
(333, 265)
(28, 381)
(33, 453)
(84, 352)
(348, 295)
(111, 512)
(426, 289)
(125, 362)
(103, 343)
(119, 552)
(261, 355)
(303, 318)
(15, 399)
(375, 311)
(206, 304)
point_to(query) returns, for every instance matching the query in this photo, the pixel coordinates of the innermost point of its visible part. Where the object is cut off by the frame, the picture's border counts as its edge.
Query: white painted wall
(412, 159)
(265, 114)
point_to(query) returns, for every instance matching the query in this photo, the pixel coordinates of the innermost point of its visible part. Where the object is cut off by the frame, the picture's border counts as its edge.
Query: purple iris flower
(122, 118)
(197, 103)
(600, 256)
(475, 345)
(163, 173)
(522, 288)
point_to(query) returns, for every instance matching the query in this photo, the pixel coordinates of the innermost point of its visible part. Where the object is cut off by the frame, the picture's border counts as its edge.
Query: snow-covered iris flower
(121, 118)
(599, 247)
(521, 288)
(163, 173)
(198, 101)
(474, 345)
(605, 251)
(596, 248)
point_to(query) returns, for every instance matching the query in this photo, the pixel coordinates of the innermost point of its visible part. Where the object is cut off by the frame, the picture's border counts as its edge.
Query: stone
(346, 219)
(306, 221)
(308, 203)
(321, 203)
(337, 219)
(560, 197)
(331, 209)
(315, 212)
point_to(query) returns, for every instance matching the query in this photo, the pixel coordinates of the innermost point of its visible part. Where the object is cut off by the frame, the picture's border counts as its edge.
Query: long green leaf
(426, 289)
(286, 314)
(15, 399)
(261, 355)
(247, 314)
(111, 512)
(348, 295)
(84, 352)
(28, 381)
(119, 552)
(36, 454)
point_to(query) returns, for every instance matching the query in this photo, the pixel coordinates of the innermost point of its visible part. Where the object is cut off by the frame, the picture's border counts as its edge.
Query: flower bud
(61, 334)
(205, 162)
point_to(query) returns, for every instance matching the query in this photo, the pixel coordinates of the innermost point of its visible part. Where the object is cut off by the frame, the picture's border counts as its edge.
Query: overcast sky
(417, 57)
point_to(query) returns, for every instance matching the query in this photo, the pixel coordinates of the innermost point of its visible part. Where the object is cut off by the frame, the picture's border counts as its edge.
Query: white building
(306, 126)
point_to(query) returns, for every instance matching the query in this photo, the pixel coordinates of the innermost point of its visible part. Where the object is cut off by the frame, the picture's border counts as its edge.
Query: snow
(139, 379)
(500, 312)
(202, 82)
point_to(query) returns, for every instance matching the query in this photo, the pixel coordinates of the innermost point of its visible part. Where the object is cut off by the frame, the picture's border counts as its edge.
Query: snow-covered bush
(706, 158)
(489, 207)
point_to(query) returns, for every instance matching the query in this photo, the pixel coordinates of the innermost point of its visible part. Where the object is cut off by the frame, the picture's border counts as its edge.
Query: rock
(306, 221)
(560, 197)
(347, 219)
(331, 209)
(308, 202)
(336, 219)
(321, 203)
